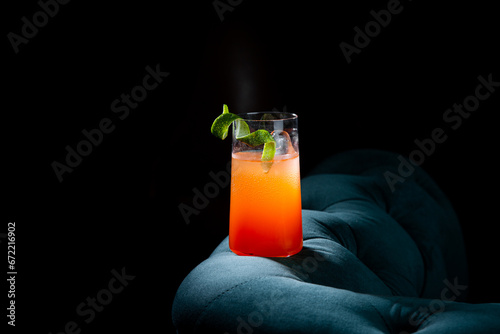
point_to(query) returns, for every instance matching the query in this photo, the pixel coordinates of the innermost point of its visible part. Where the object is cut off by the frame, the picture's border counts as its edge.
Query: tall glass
(265, 211)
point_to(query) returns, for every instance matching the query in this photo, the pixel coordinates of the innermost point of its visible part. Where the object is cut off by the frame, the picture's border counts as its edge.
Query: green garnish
(220, 129)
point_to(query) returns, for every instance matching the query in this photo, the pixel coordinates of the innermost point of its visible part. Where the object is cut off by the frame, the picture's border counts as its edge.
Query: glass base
(284, 254)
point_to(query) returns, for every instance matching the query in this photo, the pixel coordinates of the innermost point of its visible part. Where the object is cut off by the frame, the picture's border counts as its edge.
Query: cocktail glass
(265, 209)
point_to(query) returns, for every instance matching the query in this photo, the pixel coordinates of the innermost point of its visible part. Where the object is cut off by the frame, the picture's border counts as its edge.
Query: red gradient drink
(265, 213)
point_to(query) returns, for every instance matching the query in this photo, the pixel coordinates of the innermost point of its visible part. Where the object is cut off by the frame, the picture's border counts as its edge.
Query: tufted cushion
(375, 259)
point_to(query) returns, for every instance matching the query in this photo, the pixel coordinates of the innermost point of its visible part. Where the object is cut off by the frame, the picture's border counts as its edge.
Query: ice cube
(283, 142)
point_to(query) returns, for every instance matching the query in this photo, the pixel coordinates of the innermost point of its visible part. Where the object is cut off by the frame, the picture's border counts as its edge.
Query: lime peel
(221, 125)
(220, 128)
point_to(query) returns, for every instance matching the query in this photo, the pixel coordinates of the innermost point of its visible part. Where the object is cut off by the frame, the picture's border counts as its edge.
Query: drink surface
(265, 215)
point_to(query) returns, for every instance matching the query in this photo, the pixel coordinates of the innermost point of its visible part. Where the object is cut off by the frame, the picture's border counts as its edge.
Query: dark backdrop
(120, 207)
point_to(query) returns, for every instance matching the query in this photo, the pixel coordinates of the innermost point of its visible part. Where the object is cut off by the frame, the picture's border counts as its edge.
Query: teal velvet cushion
(378, 257)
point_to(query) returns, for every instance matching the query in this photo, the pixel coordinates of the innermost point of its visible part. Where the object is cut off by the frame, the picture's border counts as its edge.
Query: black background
(119, 208)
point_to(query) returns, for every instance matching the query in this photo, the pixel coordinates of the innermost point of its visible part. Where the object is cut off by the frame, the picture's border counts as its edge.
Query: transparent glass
(266, 210)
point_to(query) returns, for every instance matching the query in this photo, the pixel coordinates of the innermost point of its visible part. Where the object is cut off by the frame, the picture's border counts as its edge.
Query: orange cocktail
(265, 214)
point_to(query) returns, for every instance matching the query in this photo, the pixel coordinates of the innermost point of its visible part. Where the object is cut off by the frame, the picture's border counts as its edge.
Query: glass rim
(288, 116)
